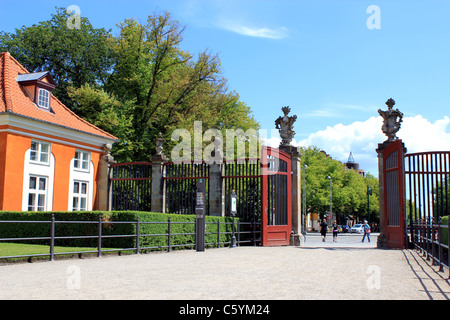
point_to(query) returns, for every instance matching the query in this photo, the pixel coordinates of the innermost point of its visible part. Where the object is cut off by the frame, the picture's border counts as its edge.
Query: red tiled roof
(14, 99)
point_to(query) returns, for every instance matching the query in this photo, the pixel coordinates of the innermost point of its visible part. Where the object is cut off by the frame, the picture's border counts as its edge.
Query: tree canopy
(349, 189)
(134, 84)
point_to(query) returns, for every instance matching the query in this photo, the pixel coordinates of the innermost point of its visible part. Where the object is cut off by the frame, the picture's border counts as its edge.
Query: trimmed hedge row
(31, 230)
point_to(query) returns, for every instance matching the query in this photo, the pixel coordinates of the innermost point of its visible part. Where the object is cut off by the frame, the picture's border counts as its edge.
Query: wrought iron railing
(246, 233)
(244, 177)
(131, 186)
(432, 240)
(181, 186)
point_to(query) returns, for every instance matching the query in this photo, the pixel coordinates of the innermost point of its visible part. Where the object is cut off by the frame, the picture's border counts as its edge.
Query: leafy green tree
(133, 85)
(73, 56)
(109, 114)
(168, 87)
(349, 189)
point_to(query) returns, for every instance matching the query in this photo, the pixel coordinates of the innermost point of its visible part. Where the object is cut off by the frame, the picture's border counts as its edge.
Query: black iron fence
(244, 177)
(216, 231)
(427, 185)
(181, 186)
(432, 240)
(131, 186)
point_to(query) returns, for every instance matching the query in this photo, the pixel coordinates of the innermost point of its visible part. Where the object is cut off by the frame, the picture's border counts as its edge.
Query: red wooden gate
(276, 197)
(394, 195)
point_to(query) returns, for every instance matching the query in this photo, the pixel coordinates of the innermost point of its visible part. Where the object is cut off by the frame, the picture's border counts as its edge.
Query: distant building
(352, 165)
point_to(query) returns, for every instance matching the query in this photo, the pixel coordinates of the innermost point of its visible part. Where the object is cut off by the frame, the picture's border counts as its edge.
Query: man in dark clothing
(323, 229)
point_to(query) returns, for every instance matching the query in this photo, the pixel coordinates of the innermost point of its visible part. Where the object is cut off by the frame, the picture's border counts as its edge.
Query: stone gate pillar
(158, 203)
(296, 194)
(104, 192)
(391, 182)
(216, 190)
(285, 124)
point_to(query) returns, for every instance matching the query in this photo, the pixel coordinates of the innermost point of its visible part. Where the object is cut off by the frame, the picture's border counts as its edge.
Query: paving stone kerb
(339, 270)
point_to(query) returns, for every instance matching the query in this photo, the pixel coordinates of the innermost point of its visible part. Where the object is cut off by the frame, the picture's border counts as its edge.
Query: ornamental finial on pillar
(392, 120)
(285, 125)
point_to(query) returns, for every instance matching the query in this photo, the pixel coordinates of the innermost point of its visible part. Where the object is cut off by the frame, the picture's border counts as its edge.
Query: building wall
(63, 156)
(16, 146)
(3, 136)
(15, 169)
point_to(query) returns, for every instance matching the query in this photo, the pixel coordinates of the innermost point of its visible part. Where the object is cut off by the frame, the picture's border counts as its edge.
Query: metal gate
(428, 178)
(394, 195)
(276, 197)
(428, 188)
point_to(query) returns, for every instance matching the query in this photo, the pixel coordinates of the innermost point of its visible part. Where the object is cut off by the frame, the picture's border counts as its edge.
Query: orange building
(50, 159)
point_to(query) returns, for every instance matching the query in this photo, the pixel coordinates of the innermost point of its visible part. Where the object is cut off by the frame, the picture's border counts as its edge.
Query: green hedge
(27, 230)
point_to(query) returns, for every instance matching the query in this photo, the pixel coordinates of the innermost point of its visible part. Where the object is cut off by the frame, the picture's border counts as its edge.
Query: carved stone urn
(285, 125)
(392, 120)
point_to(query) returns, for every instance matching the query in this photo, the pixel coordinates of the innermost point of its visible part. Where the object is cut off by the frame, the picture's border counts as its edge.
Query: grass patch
(20, 249)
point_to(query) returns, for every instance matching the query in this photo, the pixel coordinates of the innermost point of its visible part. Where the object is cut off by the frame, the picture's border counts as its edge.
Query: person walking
(335, 231)
(366, 231)
(323, 229)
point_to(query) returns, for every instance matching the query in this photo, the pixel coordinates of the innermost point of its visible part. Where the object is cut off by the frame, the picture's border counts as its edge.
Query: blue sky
(318, 57)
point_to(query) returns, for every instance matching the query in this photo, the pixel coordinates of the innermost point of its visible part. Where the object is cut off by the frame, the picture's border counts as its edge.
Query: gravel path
(347, 269)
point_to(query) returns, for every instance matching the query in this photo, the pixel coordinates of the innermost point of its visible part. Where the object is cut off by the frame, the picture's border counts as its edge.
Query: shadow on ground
(435, 283)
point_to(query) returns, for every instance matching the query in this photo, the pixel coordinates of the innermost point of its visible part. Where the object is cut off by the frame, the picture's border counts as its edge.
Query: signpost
(233, 213)
(200, 226)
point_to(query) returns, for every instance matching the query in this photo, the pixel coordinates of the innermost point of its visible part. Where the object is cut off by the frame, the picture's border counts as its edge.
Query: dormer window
(43, 98)
(38, 86)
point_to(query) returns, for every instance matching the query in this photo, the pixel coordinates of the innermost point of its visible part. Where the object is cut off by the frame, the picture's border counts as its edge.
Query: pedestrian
(323, 229)
(335, 231)
(366, 231)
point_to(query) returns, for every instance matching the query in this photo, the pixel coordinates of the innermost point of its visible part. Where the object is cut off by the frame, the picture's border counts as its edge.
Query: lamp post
(233, 213)
(304, 200)
(369, 193)
(331, 199)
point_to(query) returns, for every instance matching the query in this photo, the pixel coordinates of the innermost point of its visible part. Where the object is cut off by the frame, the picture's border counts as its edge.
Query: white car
(357, 228)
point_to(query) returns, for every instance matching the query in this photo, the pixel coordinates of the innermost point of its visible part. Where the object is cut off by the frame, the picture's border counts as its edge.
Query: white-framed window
(40, 152)
(81, 160)
(43, 98)
(37, 193)
(80, 195)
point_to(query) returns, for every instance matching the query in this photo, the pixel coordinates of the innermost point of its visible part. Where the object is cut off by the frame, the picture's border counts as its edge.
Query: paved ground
(347, 269)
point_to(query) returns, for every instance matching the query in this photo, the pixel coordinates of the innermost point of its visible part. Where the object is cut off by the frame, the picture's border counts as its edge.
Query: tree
(109, 114)
(73, 56)
(349, 189)
(133, 85)
(167, 86)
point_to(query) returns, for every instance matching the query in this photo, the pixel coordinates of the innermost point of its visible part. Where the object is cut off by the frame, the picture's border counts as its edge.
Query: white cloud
(362, 138)
(420, 135)
(276, 33)
(273, 142)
